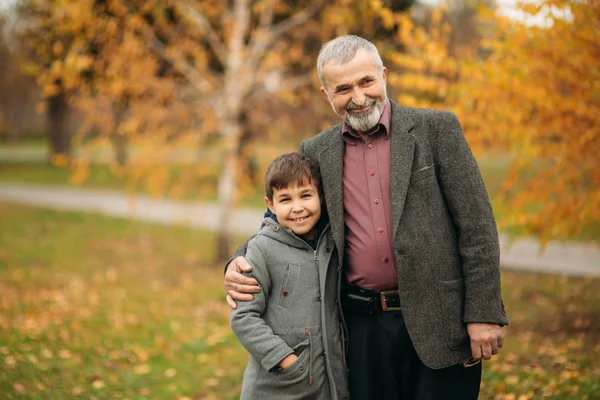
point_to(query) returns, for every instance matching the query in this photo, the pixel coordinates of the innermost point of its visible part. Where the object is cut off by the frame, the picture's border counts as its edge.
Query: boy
(292, 327)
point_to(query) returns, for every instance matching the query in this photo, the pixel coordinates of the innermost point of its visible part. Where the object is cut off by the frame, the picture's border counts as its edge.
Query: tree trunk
(14, 125)
(58, 135)
(119, 140)
(227, 187)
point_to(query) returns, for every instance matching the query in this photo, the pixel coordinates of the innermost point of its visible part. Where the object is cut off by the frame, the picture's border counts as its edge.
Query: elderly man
(419, 290)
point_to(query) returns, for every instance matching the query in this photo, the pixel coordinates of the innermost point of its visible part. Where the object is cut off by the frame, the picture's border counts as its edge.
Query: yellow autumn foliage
(537, 97)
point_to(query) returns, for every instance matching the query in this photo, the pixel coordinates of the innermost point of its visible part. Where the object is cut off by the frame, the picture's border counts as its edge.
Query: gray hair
(343, 49)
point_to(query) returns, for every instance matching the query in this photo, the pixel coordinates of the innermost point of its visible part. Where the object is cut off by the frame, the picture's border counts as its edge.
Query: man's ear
(324, 94)
(269, 204)
(384, 74)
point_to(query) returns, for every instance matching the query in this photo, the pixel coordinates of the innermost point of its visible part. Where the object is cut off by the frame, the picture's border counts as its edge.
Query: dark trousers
(383, 364)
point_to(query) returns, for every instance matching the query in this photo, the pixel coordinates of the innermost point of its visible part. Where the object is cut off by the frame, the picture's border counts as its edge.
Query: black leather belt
(368, 302)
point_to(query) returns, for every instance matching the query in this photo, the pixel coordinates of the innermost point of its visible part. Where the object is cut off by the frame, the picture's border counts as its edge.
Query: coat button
(301, 368)
(328, 249)
(319, 298)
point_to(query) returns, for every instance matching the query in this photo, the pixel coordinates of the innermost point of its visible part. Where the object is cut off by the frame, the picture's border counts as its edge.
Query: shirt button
(386, 260)
(380, 229)
(376, 201)
(370, 146)
(372, 172)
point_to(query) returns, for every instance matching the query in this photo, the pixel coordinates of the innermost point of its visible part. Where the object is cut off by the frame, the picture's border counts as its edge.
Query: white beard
(363, 122)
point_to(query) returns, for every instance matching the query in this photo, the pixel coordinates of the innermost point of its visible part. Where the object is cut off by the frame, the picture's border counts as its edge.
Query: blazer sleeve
(471, 212)
(246, 320)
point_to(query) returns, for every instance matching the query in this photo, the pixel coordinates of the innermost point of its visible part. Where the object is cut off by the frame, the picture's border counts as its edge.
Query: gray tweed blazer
(444, 233)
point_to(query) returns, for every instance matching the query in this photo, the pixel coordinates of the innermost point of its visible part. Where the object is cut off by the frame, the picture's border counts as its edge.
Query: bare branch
(297, 19)
(198, 18)
(266, 15)
(258, 93)
(265, 38)
(198, 81)
(297, 82)
(261, 37)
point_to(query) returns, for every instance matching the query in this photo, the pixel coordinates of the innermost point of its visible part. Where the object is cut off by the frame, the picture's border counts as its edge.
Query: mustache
(352, 106)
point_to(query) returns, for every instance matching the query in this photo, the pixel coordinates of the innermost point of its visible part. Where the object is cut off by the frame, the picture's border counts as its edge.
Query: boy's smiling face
(298, 207)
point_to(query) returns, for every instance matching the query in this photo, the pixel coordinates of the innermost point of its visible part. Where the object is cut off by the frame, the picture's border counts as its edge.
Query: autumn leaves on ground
(99, 308)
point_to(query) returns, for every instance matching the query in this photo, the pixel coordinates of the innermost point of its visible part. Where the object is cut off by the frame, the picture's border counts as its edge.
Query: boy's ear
(269, 204)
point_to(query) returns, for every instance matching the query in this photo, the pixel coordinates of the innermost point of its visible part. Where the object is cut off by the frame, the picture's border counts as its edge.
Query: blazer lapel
(401, 158)
(331, 163)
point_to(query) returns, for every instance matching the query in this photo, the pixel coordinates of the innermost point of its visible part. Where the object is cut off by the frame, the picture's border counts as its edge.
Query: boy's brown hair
(291, 168)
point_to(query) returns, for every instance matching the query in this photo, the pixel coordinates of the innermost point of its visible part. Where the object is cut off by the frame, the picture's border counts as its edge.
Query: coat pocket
(452, 304)
(291, 383)
(423, 173)
(302, 350)
(290, 278)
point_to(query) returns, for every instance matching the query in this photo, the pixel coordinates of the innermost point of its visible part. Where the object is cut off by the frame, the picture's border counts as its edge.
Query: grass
(94, 307)
(102, 308)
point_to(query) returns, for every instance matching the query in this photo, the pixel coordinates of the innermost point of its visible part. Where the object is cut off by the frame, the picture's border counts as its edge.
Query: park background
(185, 103)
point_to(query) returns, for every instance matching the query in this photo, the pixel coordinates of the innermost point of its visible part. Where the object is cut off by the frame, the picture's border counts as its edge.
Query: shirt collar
(349, 134)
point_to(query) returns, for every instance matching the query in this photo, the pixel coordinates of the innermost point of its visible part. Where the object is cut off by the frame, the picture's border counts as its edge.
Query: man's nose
(358, 97)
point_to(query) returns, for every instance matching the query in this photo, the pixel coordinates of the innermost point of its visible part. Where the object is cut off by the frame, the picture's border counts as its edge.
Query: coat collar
(331, 163)
(401, 159)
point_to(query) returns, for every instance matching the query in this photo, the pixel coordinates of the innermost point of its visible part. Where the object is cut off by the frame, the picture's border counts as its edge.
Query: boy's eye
(307, 195)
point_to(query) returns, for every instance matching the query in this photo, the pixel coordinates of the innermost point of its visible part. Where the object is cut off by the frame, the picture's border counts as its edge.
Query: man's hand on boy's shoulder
(237, 285)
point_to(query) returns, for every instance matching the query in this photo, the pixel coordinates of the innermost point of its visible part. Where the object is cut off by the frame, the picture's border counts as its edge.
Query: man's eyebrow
(361, 80)
(366, 78)
(341, 87)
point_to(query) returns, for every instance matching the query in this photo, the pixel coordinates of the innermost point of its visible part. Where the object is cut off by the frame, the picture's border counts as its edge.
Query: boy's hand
(288, 361)
(238, 286)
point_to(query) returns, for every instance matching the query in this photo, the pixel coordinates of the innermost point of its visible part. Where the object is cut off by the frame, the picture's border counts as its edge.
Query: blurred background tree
(535, 94)
(205, 93)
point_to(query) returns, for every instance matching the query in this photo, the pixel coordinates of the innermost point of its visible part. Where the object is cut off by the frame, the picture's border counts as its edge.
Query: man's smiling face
(356, 90)
(297, 207)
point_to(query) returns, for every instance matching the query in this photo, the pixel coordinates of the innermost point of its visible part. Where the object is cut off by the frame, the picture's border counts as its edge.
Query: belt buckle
(384, 305)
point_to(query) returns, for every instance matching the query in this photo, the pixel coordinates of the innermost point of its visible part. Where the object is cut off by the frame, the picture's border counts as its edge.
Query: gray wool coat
(444, 233)
(296, 311)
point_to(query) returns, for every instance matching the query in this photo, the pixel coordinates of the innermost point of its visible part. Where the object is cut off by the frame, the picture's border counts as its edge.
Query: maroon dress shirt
(370, 263)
